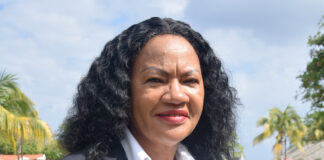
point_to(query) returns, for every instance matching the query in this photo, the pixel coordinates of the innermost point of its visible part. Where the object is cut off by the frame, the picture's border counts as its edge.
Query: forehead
(167, 42)
(162, 47)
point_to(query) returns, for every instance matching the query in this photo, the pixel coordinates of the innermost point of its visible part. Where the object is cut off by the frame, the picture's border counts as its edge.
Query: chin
(173, 136)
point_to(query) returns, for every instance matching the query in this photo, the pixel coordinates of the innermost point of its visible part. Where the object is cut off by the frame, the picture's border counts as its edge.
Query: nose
(175, 94)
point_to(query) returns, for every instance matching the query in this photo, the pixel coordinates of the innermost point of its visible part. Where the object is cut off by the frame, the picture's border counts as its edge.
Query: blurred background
(49, 46)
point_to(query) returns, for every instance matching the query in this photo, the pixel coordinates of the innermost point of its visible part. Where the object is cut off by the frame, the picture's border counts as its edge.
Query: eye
(191, 81)
(154, 80)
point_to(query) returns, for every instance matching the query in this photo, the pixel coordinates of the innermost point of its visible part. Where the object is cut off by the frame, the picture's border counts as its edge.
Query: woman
(157, 91)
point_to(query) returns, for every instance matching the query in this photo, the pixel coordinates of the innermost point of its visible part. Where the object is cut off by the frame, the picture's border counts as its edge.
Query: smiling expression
(167, 91)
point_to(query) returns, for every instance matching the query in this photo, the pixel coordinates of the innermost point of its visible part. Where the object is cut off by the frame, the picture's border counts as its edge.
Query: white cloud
(172, 7)
(143, 9)
(49, 46)
(264, 75)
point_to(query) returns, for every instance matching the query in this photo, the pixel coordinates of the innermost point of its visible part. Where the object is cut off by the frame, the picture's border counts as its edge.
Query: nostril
(176, 105)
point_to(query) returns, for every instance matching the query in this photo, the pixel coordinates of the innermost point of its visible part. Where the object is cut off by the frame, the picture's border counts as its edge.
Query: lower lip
(173, 119)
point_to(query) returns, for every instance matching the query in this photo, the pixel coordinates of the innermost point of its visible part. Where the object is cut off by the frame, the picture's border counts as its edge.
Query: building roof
(314, 151)
(26, 156)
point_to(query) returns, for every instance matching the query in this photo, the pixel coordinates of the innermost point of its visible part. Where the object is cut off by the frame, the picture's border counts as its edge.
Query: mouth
(174, 116)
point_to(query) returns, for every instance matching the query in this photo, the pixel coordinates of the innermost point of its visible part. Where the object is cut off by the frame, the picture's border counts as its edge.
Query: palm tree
(286, 124)
(19, 120)
(315, 124)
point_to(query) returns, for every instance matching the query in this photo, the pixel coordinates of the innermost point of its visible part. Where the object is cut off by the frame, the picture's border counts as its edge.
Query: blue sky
(263, 44)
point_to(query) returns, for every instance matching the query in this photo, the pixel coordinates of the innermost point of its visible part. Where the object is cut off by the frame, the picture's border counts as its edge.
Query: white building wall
(312, 152)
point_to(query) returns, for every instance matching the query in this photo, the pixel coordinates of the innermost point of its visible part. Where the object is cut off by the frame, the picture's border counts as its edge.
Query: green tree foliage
(313, 86)
(313, 78)
(54, 151)
(285, 124)
(29, 147)
(5, 145)
(238, 150)
(315, 125)
(18, 118)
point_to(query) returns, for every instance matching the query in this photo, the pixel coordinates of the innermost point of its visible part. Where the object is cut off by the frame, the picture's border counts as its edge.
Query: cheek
(144, 101)
(197, 102)
(148, 96)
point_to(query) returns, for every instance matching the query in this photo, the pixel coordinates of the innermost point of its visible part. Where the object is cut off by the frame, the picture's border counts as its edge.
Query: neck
(156, 151)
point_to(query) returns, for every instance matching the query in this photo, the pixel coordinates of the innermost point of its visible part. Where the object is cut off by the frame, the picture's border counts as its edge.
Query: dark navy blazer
(117, 153)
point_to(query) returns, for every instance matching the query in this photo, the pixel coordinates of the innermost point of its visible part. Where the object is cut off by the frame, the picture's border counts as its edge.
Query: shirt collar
(134, 150)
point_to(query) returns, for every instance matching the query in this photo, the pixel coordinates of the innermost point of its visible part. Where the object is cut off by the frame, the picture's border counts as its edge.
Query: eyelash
(158, 80)
(191, 81)
(155, 80)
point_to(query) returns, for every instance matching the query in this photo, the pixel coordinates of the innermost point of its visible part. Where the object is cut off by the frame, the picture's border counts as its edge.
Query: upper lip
(174, 113)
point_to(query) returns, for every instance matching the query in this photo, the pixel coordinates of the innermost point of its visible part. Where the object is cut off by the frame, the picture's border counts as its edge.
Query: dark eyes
(154, 80)
(159, 80)
(191, 81)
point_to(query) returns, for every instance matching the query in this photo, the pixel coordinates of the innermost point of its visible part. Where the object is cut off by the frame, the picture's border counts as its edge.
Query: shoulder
(117, 153)
(76, 156)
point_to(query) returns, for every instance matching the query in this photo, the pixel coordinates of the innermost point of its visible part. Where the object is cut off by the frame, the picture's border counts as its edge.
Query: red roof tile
(14, 157)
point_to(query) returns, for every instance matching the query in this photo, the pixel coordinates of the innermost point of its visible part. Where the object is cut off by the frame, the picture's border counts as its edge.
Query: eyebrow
(157, 70)
(166, 73)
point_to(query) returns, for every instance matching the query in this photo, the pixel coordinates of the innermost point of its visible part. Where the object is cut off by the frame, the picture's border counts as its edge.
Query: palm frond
(262, 121)
(287, 124)
(13, 99)
(25, 127)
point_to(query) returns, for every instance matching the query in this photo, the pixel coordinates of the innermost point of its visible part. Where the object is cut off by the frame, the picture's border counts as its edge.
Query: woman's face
(167, 91)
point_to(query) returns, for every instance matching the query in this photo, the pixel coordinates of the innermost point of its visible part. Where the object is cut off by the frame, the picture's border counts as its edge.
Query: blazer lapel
(117, 153)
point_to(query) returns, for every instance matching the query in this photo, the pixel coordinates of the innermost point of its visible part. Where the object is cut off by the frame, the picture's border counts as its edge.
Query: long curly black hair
(99, 114)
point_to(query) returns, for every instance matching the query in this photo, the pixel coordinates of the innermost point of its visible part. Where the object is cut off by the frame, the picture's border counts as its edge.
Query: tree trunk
(20, 149)
(285, 148)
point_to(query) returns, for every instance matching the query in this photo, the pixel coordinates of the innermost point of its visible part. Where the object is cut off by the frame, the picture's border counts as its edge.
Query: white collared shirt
(135, 152)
